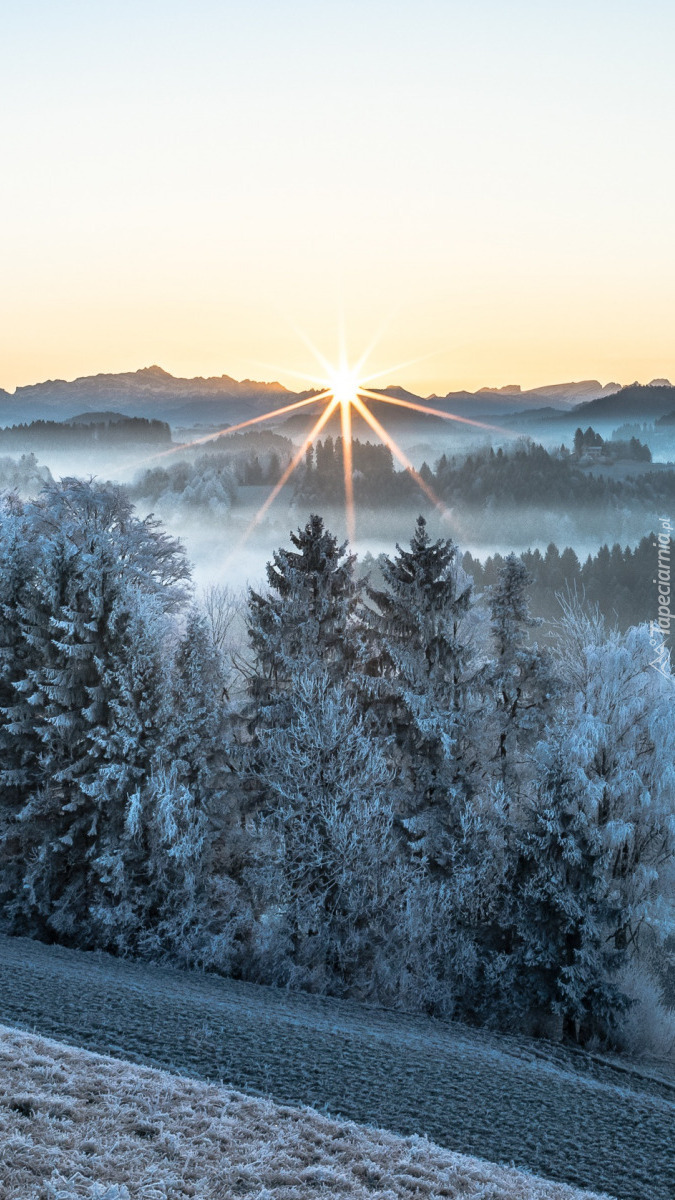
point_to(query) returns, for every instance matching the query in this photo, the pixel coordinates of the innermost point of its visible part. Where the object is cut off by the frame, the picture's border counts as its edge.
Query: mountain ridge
(222, 399)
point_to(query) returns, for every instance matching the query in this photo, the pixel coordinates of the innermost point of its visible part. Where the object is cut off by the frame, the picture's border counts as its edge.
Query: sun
(343, 389)
(344, 385)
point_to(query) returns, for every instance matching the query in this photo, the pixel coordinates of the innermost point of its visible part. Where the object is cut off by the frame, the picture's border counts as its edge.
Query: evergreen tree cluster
(526, 472)
(390, 792)
(619, 581)
(105, 431)
(531, 475)
(208, 484)
(110, 724)
(616, 449)
(376, 481)
(255, 457)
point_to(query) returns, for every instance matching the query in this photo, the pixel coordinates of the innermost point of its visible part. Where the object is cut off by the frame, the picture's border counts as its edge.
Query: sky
(484, 189)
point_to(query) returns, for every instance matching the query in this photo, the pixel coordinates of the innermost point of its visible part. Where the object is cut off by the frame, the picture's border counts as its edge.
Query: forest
(619, 581)
(102, 429)
(387, 791)
(526, 472)
(529, 475)
(215, 480)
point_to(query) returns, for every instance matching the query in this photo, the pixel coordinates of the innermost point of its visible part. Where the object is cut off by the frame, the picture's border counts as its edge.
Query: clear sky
(487, 185)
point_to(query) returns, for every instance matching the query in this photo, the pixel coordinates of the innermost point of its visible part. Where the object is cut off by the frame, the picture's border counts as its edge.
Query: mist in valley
(213, 491)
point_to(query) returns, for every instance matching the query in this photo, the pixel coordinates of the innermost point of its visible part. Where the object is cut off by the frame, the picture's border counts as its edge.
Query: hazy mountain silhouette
(635, 401)
(222, 400)
(150, 391)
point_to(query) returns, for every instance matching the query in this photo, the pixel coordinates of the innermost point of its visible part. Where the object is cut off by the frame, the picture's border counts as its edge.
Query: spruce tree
(307, 617)
(422, 669)
(519, 679)
(82, 722)
(564, 961)
(327, 875)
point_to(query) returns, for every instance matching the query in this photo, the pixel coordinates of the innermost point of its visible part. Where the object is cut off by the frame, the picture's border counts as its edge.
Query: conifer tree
(564, 962)
(307, 617)
(331, 877)
(422, 669)
(196, 734)
(520, 679)
(83, 723)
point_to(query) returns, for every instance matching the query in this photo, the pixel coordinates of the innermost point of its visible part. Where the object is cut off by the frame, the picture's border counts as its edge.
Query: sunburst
(343, 388)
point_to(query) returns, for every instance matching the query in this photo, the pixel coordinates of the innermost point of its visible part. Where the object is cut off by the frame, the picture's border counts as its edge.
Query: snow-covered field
(556, 1113)
(75, 1124)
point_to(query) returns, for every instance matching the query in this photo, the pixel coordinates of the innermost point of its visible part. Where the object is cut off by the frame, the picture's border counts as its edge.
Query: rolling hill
(635, 402)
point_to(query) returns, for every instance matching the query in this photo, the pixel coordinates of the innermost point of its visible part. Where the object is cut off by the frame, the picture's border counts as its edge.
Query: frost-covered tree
(618, 738)
(563, 961)
(24, 476)
(195, 736)
(162, 865)
(308, 616)
(128, 747)
(205, 487)
(86, 696)
(421, 669)
(162, 878)
(519, 679)
(468, 902)
(331, 886)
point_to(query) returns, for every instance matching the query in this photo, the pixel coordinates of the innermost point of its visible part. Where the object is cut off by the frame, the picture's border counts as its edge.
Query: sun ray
(295, 462)
(346, 421)
(342, 340)
(209, 437)
(433, 412)
(377, 337)
(398, 453)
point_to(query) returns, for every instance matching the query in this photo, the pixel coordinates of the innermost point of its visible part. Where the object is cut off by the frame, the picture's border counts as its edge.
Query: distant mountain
(589, 389)
(511, 400)
(150, 391)
(221, 400)
(509, 389)
(638, 401)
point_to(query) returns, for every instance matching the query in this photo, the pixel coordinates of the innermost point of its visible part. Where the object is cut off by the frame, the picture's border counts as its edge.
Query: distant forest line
(525, 475)
(617, 580)
(109, 430)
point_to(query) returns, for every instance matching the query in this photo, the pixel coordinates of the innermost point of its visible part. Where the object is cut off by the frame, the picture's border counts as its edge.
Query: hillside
(89, 1126)
(561, 1114)
(636, 402)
